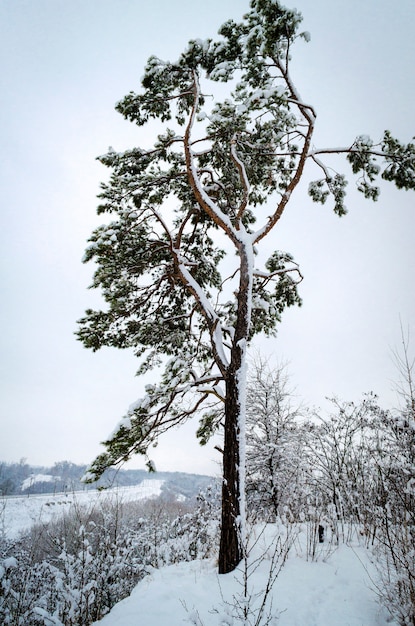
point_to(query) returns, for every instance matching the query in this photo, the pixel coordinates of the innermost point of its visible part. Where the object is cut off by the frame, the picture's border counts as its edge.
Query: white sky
(64, 64)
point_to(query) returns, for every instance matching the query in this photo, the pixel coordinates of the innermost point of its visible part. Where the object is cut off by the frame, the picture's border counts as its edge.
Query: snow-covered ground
(18, 513)
(336, 591)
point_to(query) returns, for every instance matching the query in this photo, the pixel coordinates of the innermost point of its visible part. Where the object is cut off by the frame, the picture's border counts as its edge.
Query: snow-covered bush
(393, 500)
(24, 582)
(341, 467)
(72, 571)
(69, 572)
(395, 519)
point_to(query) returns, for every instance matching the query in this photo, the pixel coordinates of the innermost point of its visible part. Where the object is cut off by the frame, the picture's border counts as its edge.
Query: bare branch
(243, 178)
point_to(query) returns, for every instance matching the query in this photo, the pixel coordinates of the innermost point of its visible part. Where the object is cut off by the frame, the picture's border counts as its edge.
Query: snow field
(19, 513)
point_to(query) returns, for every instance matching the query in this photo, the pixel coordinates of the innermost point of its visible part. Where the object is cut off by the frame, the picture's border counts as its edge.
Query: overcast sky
(64, 64)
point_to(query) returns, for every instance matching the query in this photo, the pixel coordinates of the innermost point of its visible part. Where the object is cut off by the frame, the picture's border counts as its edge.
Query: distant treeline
(21, 478)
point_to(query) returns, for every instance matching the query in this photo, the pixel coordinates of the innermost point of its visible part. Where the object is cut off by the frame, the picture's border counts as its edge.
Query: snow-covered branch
(212, 209)
(206, 309)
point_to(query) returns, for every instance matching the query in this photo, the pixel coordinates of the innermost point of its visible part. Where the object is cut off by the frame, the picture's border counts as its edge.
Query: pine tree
(177, 263)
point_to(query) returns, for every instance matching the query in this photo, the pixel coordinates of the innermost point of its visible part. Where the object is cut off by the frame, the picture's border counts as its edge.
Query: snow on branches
(178, 264)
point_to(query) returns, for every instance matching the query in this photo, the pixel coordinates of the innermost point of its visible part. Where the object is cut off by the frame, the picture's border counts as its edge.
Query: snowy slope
(18, 513)
(334, 592)
(38, 478)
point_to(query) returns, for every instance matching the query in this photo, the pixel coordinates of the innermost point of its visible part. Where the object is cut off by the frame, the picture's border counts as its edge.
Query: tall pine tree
(177, 265)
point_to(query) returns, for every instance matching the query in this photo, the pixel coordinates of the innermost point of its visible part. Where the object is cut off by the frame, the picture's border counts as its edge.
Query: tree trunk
(230, 550)
(233, 487)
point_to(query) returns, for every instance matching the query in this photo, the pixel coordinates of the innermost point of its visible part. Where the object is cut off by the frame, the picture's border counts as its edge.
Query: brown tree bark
(230, 550)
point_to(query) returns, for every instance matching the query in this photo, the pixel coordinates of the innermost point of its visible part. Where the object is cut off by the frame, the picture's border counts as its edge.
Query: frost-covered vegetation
(344, 477)
(74, 569)
(348, 473)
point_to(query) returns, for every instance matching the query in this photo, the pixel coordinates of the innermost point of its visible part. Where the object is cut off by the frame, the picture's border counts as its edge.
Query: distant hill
(22, 478)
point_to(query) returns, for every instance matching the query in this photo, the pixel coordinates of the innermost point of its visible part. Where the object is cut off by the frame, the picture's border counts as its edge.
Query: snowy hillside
(333, 591)
(31, 480)
(18, 513)
(23, 479)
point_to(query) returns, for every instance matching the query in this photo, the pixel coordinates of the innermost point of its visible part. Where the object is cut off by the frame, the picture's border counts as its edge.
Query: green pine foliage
(176, 263)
